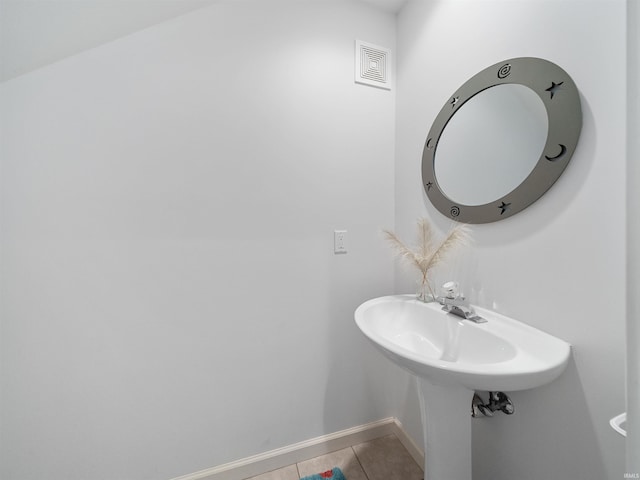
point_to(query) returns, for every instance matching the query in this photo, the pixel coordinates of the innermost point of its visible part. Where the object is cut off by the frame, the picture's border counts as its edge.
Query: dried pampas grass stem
(426, 254)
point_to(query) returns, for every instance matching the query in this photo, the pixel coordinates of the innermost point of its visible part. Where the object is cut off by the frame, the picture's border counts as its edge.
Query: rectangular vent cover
(373, 65)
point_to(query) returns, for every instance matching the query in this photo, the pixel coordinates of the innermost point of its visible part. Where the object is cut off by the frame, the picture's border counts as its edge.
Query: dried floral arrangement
(427, 253)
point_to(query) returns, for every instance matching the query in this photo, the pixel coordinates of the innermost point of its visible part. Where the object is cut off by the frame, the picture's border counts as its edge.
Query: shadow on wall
(563, 444)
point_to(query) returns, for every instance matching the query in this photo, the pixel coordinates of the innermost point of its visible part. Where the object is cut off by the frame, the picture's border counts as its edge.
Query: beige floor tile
(286, 473)
(386, 458)
(344, 459)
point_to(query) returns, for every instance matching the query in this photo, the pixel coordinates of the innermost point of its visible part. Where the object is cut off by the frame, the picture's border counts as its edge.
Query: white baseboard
(299, 452)
(414, 450)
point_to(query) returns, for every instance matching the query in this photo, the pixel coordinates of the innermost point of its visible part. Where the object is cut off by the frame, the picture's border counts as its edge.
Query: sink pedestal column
(446, 424)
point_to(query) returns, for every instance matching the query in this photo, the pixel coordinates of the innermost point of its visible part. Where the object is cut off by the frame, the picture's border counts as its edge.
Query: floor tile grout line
(355, 454)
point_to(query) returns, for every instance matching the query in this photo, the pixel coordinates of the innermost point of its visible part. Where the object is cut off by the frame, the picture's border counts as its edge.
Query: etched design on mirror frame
(504, 71)
(504, 207)
(563, 150)
(555, 87)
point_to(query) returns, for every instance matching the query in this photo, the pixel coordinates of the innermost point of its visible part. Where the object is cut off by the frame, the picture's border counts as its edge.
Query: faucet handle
(451, 290)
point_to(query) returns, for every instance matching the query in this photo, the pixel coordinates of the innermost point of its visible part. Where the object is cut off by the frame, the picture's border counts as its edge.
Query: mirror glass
(506, 125)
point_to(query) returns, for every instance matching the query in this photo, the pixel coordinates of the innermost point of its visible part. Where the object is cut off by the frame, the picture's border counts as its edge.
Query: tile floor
(384, 458)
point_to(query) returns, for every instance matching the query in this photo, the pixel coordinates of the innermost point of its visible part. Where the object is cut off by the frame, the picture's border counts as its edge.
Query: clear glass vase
(424, 292)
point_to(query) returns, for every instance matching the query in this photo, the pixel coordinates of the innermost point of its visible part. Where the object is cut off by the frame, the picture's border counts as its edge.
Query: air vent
(373, 65)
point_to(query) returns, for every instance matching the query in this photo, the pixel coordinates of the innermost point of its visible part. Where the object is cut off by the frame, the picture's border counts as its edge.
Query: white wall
(170, 296)
(37, 33)
(560, 264)
(167, 209)
(633, 240)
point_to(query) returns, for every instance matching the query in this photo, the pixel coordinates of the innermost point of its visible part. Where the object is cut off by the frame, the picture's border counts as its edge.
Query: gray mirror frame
(561, 99)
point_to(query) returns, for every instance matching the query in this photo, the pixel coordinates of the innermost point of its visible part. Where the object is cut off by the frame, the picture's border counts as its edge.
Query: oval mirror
(501, 140)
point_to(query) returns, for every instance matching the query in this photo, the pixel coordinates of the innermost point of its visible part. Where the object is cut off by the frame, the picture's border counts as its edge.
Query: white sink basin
(500, 355)
(451, 358)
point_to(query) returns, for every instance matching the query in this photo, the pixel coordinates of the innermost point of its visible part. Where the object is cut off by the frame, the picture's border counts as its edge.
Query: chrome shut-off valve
(498, 401)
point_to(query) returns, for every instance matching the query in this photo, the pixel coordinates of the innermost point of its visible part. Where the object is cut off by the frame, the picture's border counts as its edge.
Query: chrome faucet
(453, 302)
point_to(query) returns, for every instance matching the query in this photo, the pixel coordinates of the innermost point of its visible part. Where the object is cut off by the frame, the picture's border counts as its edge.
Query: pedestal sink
(452, 358)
